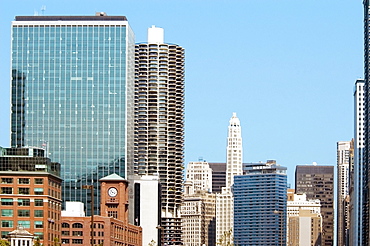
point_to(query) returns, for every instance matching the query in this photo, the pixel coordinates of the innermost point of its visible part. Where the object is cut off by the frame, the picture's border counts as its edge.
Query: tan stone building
(198, 213)
(304, 221)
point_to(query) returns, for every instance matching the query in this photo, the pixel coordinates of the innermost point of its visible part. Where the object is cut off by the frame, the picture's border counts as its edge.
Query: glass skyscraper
(72, 94)
(260, 200)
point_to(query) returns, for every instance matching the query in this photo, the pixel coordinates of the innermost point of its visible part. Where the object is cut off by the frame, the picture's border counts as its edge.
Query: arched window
(77, 225)
(65, 225)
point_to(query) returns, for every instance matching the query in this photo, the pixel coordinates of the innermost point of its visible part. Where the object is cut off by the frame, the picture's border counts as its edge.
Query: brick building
(30, 193)
(111, 227)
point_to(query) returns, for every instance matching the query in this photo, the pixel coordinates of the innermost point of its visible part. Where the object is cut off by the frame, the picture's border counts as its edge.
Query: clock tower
(114, 197)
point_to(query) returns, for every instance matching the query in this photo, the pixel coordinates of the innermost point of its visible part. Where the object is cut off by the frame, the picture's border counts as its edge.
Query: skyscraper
(234, 151)
(234, 165)
(260, 200)
(358, 166)
(159, 124)
(318, 183)
(72, 87)
(343, 165)
(366, 152)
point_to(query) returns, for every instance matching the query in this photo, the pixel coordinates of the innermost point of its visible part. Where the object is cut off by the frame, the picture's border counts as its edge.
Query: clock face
(112, 192)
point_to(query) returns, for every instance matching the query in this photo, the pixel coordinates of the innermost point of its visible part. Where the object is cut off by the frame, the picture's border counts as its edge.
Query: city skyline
(275, 65)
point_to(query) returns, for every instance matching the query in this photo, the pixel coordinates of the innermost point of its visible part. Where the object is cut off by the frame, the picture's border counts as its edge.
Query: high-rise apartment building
(72, 92)
(260, 200)
(159, 124)
(30, 193)
(317, 182)
(304, 222)
(234, 166)
(357, 194)
(343, 166)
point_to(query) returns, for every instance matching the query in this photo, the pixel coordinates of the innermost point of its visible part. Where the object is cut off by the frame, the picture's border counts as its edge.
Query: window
(77, 241)
(65, 233)
(23, 181)
(77, 233)
(77, 225)
(7, 212)
(7, 180)
(39, 181)
(6, 201)
(39, 213)
(39, 224)
(39, 235)
(23, 202)
(112, 214)
(6, 190)
(65, 225)
(24, 191)
(39, 202)
(24, 213)
(24, 223)
(39, 191)
(6, 223)
(65, 241)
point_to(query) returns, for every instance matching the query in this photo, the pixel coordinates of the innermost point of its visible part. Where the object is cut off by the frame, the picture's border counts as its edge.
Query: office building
(317, 182)
(304, 222)
(260, 200)
(200, 174)
(366, 152)
(30, 193)
(357, 194)
(72, 87)
(159, 124)
(198, 212)
(343, 166)
(218, 176)
(234, 166)
(111, 227)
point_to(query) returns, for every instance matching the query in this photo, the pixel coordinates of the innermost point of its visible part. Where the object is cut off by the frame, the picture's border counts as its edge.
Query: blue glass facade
(72, 79)
(260, 198)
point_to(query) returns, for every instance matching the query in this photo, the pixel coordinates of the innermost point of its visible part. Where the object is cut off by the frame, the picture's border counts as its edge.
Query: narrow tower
(366, 153)
(358, 167)
(234, 150)
(159, 124)
(343, 165)
(234, 166)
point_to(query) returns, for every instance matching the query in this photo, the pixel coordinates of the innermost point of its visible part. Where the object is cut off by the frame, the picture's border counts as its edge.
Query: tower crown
(234, 121)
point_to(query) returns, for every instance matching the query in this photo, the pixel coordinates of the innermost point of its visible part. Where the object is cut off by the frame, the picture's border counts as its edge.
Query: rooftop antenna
(43, 8)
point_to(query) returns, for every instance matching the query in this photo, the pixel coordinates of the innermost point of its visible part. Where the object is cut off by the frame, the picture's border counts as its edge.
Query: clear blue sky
(287, 68)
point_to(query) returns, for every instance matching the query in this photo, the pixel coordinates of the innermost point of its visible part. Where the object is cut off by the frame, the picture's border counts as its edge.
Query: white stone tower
(234, 166)
(234, 150)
